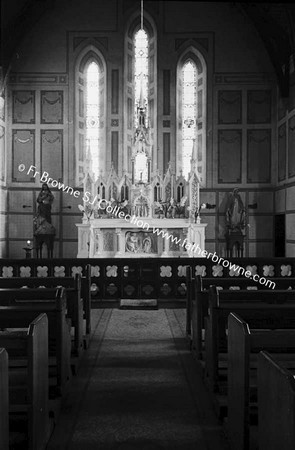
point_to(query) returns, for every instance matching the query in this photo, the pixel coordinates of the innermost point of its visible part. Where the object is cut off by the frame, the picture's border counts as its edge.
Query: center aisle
(138, 389)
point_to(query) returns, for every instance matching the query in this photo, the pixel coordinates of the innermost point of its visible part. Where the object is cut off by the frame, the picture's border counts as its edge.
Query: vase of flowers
(87, 212)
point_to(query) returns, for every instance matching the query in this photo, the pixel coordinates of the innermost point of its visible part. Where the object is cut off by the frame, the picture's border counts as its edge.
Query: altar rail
(159, 278)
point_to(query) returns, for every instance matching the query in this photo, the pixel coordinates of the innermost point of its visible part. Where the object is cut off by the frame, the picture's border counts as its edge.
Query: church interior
(147, 184)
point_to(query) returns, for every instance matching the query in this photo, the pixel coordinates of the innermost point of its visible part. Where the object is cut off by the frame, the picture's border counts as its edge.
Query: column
(165, 244)
(120, 242)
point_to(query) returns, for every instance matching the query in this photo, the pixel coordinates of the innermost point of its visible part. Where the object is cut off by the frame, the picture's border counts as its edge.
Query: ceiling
(274, 22)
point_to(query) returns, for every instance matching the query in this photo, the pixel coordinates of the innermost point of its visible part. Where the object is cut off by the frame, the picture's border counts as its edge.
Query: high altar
(141, 213)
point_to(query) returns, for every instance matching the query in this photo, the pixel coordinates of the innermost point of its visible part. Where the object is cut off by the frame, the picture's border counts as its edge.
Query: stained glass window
(92, 114)
(189, 113)
(141, 72)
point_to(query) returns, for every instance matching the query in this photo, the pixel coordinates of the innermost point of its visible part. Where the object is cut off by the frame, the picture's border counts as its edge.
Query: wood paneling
(259, 106)
(229, 107)
(23, 153)
(282, 152)
(52, 107)
(258, 156)
(229, 156)
(291, 147)
(23, 106)
(52, 153)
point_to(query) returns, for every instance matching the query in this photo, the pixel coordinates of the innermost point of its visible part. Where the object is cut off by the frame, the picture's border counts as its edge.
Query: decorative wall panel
(229, 156)
(81, 147)
(115, 91)
(81, 103)
(51, 107)
(259, 107)
(200, 104)
(291, 147)
(166, 148)
(23, 152)
(129, 113)
(115, 149)
(2, 153)
(282, 152)
(108, 240)
(23, 106)
(229, 107)
(258, 156)
(20, 226)
(166, 92)
(151, 67)
(52, 153)
(129, 68)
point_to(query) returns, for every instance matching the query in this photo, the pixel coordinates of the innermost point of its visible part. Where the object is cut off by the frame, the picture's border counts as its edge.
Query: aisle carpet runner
(134, 391)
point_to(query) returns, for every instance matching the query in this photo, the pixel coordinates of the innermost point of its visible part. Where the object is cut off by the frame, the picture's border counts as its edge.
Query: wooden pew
(86, 296)
(22, 306)
(28, 380)
(189, 301)
(67, 282)
(244, 344)
(198, 298)
(254, 306)
(4, 400)
(74, 301)
(276, 404)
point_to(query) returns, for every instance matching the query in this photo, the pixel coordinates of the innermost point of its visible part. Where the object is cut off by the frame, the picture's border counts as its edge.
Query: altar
(118, 238)
(141, 211)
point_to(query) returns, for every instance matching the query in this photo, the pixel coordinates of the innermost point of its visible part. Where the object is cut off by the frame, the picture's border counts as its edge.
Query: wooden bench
(79, 283)
(276, 404)
(254, 306)
(28, 381)
(198, 298)
(244, 344)
(73, 294)
(21, 308)
(4, 400)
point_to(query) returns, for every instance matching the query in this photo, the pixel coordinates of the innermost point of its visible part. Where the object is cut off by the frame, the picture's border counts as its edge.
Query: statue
(132, 242)
(44, 233)
(44, 200)
(171, 208)
(235, 213)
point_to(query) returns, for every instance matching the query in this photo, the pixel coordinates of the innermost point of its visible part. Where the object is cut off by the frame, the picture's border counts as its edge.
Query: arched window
(191, 114)
(140, 98)
(92, 114)
(90, 87)
(141, 76)
(141, 83)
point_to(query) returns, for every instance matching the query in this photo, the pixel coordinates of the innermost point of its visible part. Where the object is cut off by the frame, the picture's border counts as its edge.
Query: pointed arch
(89, 116)
(130, 99)
(191, 98)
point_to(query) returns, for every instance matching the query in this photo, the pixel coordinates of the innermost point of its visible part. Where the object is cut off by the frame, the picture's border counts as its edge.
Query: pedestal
(234, 244)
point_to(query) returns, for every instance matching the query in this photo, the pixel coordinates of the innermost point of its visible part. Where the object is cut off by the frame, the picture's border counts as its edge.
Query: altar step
(132, 303)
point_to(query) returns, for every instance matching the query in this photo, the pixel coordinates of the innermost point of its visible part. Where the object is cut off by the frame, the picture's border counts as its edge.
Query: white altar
(118, 238)
(141, 212)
